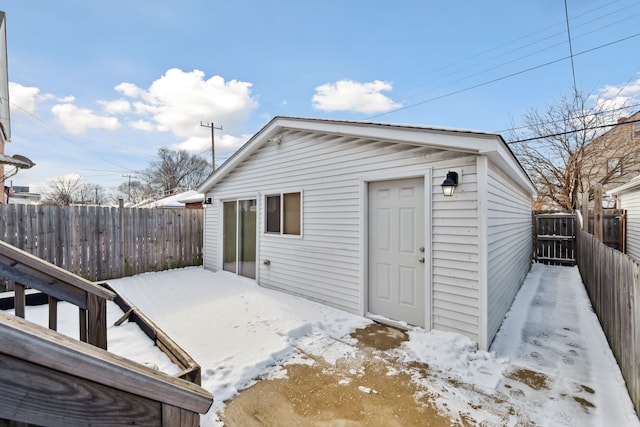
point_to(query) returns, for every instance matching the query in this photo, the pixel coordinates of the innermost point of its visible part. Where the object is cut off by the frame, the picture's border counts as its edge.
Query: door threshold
(397, 324)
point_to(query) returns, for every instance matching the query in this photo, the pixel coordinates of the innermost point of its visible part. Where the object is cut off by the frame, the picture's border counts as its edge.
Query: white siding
(631, 202)
(325, 263)
(455, 252)
(211, 234)
(509, 243)
(479, 254)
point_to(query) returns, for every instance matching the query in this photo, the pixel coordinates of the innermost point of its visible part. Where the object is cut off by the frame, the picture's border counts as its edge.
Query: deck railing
(60, 285)
(51, 379)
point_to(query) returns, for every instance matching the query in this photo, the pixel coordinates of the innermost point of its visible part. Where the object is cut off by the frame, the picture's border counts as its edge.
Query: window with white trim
(284, 213)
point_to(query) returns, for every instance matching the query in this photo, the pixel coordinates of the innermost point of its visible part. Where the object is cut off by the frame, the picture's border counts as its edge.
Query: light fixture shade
(450, 183)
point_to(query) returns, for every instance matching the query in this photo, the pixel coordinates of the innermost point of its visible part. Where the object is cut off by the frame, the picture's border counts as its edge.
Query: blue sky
(97, 87)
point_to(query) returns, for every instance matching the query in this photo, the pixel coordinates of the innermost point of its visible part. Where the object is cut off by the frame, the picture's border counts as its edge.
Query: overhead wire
(627, 107)
(494, 80)
(497, 79)
(573, 131)
(70, 141)
(536, 33)
(503, 55)
(573, 68)
(550, 122)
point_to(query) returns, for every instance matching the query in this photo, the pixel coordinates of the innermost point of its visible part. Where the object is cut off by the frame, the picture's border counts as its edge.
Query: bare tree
(63, 189)
(557, 149)
(90, 194)
(176, 170)
(73, 189)
(132, 191)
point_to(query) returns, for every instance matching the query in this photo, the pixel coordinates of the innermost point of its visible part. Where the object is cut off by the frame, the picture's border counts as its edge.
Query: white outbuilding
(627, 197)
(353, 214)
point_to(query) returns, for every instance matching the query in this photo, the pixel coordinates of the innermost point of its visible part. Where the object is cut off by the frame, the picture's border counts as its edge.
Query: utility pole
(129, 176)
(213, 149)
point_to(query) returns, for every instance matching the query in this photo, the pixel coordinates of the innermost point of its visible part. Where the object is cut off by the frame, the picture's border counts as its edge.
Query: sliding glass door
(239, 239)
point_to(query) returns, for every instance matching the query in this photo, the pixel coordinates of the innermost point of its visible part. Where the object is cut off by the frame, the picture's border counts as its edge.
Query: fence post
(121, 236)
(585, 211)
(597, 212)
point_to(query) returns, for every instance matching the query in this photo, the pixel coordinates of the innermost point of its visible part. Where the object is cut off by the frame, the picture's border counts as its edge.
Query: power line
(458, 64)
(573, 131)
(70, 141)
(459, 69)
(628, 107)
(573, 69)
(446, 95)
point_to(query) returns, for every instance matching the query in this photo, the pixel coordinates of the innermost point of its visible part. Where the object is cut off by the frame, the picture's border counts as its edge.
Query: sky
(96, 88)
(550, 331)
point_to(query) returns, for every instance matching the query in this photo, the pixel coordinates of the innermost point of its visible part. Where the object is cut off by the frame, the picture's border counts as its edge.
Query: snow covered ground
(550, 360)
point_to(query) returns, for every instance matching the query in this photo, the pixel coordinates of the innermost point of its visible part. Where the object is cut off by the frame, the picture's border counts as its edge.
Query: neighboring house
(616, 155)
(627, 197)
(5, 121)
(193, 202)
(16, 161)
(352, 214)
(23, 196)
(170, 202)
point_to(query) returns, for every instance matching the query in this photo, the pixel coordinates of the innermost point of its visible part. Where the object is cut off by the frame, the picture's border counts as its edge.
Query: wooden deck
(50, 379)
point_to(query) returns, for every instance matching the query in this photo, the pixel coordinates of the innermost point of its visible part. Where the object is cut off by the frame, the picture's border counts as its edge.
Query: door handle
(421, 260)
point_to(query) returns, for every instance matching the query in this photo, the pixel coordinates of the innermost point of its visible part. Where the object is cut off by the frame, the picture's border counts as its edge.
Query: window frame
(281, 214)
(614, 167)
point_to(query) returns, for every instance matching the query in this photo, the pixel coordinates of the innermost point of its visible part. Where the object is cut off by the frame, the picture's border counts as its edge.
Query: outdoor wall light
(450, 183)
(207, 201)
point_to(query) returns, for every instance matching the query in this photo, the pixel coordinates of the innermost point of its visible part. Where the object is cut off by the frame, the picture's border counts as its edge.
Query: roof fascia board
(631, 185)
(415, 135)
(449, 139)
(238, 157)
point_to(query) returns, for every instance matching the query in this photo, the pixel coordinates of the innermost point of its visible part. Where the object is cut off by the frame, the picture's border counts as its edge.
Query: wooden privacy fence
(613, 227)
(100, 243)
(555, 234)
(612, 280)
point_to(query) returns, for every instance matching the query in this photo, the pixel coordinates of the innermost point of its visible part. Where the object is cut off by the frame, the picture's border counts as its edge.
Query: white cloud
(119, 106)
(77, 120)
(130, 90)
(618, 99)
(349, 95)
(142, 125)
(50, 96)
(225, 144)
(179, 101)
(23, 97)
(27, 98)
(176, 102)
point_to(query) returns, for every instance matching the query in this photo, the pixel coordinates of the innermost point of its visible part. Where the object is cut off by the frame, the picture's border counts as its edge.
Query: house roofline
(635, 182)
(489, 144)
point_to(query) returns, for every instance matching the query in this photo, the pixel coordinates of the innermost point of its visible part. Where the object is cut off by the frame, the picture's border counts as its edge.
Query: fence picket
(612, 280)
(105, 243)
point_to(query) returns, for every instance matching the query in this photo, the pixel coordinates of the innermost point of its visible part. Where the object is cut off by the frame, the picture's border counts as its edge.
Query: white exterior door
(397, 250)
